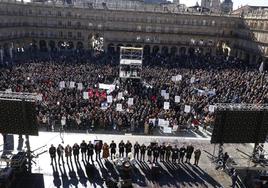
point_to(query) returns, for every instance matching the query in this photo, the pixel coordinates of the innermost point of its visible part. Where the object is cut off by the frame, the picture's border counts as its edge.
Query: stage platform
(171, 175)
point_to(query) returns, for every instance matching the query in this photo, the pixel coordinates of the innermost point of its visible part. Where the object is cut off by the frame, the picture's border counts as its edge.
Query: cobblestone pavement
(171, 175)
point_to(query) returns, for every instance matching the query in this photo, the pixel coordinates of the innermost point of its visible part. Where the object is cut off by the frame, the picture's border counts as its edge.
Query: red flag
(103, 95)
(90, 93)
(97, 93)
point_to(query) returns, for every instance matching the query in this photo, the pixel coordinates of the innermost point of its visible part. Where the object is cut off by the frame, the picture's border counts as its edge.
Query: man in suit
(113, 149)
(52, 153)
(90, 151)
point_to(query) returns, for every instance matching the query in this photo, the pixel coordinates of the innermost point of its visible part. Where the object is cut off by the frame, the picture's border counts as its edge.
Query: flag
(261, 67)
(91, 93)
(103, 95)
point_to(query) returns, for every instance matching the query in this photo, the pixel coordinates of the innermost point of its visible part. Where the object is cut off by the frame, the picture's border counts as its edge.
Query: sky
(237, 3)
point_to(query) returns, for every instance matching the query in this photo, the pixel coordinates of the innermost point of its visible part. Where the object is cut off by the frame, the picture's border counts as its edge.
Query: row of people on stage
(164, 152)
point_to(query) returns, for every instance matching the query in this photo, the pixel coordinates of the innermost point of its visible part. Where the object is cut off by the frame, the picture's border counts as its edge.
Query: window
(69, 23)
(60, 23)
(70, 34)
(60, 34)
(59, 13)
(79, 35)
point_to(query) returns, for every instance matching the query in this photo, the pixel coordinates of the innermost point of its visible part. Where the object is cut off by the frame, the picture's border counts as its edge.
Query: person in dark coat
(197, 155)
(182, 154)
(162, 150)
(68, 153)
(136, 150)
(90, 151)
(155, 153)
(113, 149)
(149, 153)
(83, 147)
(121, 148)
(143, 149)
(98, 147)
(52, 153)
(175, 154)
(76, 151)
(168, 152)
(128, 147)
(60, 151)
(189, 152)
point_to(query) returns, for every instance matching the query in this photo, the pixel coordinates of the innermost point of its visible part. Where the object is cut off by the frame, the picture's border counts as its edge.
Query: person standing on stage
(175, 154)
(83, 147)
(121, 148)
(182, 154)
(105, 151)
(113, 149)
(149, 153)
(136, 150)
(162, 150)
(143, 149)
(52, 153)
(90, 151)
(197, 155)
(60, 151)
(128, 147)
(76, 152)
(168, 152)
(155, 153)
(98, 148)
(189, 152)
(68, 153)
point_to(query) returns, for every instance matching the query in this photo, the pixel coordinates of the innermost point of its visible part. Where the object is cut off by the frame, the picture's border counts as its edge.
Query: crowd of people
(206, 80)
(154, 152)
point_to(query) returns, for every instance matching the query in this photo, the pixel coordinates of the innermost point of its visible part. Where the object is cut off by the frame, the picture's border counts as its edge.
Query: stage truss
(241, 107)
(130, 62)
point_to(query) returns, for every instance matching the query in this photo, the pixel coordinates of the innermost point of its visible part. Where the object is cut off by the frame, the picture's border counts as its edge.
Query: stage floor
(180, 175)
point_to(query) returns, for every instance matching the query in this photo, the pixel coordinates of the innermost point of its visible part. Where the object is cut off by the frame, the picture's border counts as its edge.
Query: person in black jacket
(121, 148)
(98, 147)
(83, 147)
(52, 153)
(90, 151)
(168, 152)
(189, 152)
(162, 150)
(182, 154)
(175, 154)
(149, 153)
(155, 153)
(143, 149)
(128, 147)
(113, 149)
(136, 150)
(76, 151)
(60, 151)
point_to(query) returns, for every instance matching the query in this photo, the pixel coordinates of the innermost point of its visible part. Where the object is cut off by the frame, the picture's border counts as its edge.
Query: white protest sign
(192, 80)
(39, 97)
(85, 95)
(8, 90)
(120, 95)
(72, 84)
(119, 107)
(178, 77)
(80, 86)
(167, 130)
(177, 99)
(166, 97)
(130, 101)
(187, 108)
(62, 84)
(211, 108)
(163, 92)
(166, 105)
(109, 99)
(173, 78)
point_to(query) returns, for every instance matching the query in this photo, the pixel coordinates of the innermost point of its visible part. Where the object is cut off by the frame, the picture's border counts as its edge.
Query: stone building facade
(50, 26)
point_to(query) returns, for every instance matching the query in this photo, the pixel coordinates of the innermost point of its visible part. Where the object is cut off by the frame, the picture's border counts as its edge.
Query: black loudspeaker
(18, 117)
